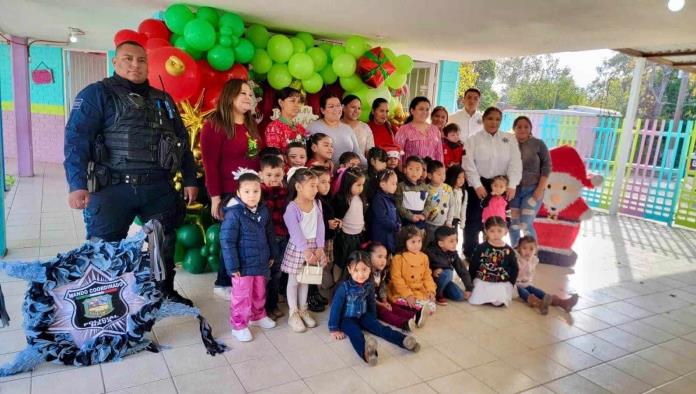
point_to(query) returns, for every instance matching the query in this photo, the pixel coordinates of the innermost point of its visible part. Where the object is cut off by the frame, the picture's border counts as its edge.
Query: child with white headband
(248, 248)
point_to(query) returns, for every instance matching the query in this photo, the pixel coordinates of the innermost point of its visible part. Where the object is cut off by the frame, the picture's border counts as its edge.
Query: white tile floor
(634, 329)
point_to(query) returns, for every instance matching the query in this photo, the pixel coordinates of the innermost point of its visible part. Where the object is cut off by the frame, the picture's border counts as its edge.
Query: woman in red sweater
(379, 123)
(229, 141)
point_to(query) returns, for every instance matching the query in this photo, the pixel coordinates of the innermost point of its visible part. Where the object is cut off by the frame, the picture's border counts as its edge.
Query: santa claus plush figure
(558, 222)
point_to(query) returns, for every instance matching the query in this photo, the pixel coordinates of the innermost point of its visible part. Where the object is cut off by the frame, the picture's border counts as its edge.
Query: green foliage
(480, 75)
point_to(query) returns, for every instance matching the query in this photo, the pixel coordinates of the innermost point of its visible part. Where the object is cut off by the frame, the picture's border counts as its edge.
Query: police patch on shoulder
(77, 104)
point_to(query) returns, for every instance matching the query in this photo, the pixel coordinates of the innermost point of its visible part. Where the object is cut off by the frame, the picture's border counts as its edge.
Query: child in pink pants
(248, 247)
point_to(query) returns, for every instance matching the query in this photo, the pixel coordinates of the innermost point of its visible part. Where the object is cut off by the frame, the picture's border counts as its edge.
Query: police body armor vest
(133, 141)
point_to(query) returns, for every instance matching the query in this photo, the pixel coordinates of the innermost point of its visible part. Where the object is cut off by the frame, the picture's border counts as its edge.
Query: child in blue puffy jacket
(246, 239)
(353, 309)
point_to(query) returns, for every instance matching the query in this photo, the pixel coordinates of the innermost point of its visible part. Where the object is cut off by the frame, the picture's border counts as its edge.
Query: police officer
(124, 140)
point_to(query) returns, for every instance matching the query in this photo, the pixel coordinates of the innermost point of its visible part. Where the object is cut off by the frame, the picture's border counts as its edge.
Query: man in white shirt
(468, 119)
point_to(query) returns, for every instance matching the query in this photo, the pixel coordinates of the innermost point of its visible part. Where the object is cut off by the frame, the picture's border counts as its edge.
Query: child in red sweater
(452, 147)
(274, 195)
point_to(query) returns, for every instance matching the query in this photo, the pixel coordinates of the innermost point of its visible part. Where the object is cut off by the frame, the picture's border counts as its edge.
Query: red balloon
(129, 35)
(173, 71)
(152, 28)
(154, 43)
(212, 93)
(237, 71)
(207, 73)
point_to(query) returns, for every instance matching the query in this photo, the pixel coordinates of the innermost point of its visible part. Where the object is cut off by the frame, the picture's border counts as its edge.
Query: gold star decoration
(194, 118)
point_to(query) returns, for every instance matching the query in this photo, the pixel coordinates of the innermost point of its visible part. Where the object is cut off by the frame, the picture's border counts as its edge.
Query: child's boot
(411, 343)
(410, 325)
(566, 304)
(543, 305)
(371, 351)
(295, 321)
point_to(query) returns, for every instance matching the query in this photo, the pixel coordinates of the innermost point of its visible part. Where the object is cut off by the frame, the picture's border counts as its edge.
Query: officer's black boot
(167, 285)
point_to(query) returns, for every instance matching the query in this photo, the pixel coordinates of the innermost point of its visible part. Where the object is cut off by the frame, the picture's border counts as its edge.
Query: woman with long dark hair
(229, 141)
(417, 137)
(382, 130)
(352, 106)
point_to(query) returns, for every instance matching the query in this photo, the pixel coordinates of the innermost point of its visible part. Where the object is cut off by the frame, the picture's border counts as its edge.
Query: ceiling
(427, 30)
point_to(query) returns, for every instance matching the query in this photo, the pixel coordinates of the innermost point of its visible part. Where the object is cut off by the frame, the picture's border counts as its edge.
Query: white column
(627, 134)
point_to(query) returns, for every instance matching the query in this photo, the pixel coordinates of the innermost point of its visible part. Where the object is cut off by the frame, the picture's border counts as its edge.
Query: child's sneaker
(409, 325)
(411, 343)
(264, 322)
(243, 335)
(421, 315)
(371, 351)
(307, 318)
(295, 322)
(441, 300)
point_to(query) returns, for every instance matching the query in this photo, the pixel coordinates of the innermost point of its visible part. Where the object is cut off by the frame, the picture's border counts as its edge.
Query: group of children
(386, 241)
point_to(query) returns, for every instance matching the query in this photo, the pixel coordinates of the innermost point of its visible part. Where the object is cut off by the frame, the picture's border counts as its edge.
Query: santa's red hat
(565, 159)
(393, 150)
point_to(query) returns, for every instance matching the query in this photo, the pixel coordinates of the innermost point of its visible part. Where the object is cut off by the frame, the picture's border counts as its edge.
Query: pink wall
(47, 136)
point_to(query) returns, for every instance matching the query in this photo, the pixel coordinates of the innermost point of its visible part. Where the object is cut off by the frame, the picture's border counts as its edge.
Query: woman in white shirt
(488, 153)
(330, 124)
(352, 106)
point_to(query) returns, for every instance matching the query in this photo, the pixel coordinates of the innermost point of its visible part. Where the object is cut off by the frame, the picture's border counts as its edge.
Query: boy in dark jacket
(443, 258)
(353, 309)
(246, 239)
(274, 196)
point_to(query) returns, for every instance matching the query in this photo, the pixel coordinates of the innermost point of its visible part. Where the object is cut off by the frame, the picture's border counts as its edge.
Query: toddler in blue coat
(246, 239)
(353, 309)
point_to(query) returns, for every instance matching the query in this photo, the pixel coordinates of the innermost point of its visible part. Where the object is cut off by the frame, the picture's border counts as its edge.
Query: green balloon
(261, 62)
(213, 263)
(361, 93)
(301, 66)
(225, 40)
(221, 58)
(328, 75)
(318, 57)
(344, 65)
(176, 17)
(351, 83)
(244, 51)
(200, 34)
(298, 46)
(403, 64)
(393, 103)
(356, 46)
(173, 38)
(205, 251)
(179, 252)
(374, 94)
(212, 234)
(396, 80)
(182, 44)
(389, 54)
(194, 262)
(313, 84)
(336, 50)
(258, 35)
(189, 235)
(279, 76)
(214, 249)
(326, 47)
(306, 38)
(280, 48)
(208, 14)
(234, 22)
(365, 114)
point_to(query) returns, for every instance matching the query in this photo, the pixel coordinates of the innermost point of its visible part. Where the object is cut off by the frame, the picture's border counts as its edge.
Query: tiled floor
(634, 329)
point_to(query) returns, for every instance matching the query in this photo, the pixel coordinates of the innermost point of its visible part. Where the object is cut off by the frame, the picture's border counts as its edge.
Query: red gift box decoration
(374, 67)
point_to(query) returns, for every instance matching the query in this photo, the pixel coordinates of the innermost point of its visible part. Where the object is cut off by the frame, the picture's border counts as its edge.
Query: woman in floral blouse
(284, 130)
